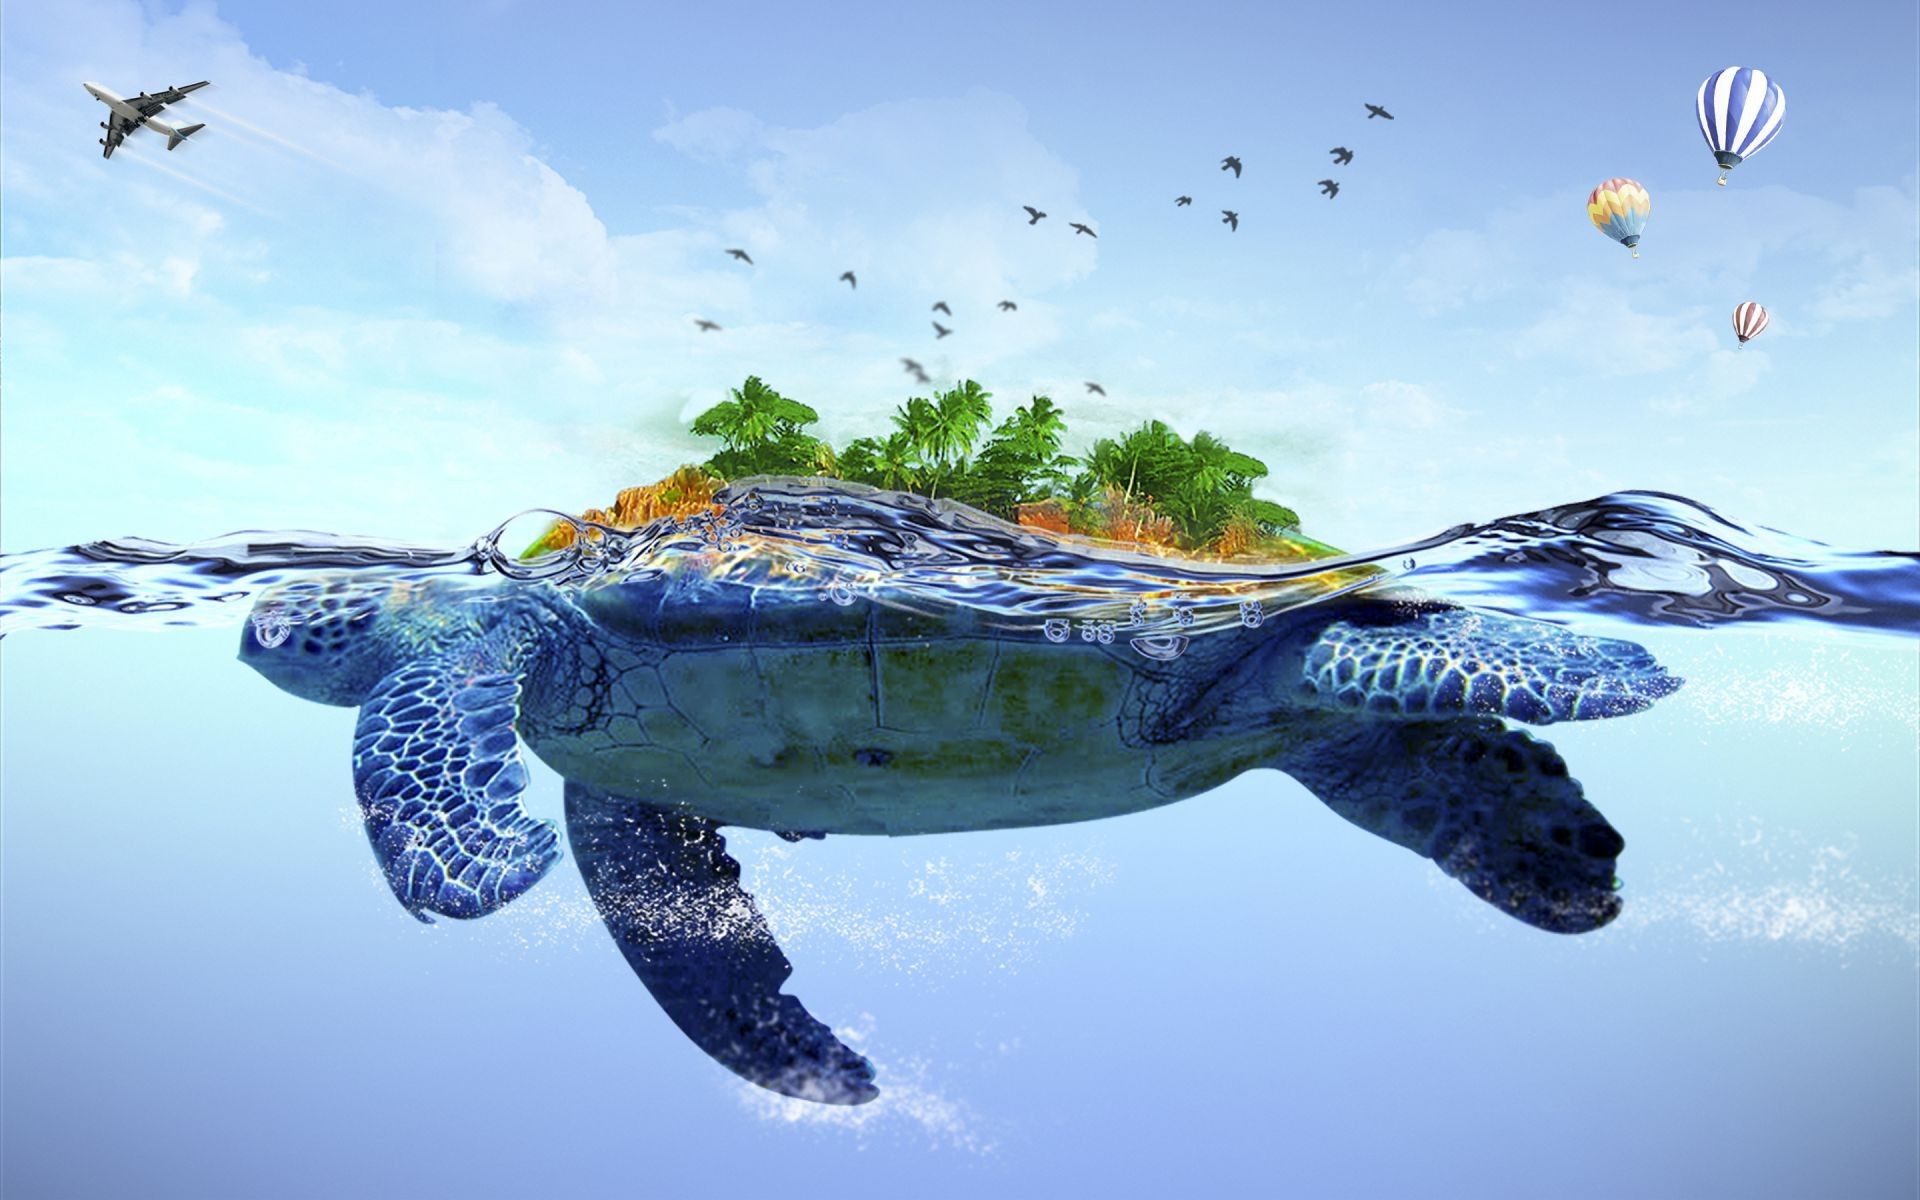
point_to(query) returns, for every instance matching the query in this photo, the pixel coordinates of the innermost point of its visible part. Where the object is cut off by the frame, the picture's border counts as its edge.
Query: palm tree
(1215, 484)
(1038, 427)
(961, 412)
(754, 415)
(1149, 461)
(896, 462)
(761, 430)
(1020, 461)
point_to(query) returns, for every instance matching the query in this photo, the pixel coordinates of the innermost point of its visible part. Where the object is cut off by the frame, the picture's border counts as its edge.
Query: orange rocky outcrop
(683, 493)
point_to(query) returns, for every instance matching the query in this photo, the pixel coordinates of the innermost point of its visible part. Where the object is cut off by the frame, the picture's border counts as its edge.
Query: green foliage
(763, 433)
(1202, 486)
(1020, 462)
(881, 462)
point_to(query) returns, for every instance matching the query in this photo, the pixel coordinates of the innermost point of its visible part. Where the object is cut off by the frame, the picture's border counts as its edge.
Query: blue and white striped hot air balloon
(1740, 111)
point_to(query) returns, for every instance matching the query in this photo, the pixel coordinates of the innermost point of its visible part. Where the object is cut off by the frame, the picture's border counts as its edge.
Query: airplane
(131, 112)
(1331, 188)
(1341, 156)
(1374, 110)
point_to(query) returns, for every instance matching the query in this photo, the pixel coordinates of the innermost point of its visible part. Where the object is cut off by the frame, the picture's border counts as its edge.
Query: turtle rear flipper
(1431, 661)
(1492, 807)
(671, 897)
(436, 765)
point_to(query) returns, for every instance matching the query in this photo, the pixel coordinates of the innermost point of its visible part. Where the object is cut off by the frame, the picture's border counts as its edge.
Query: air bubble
(270, 629)
(1162, 648)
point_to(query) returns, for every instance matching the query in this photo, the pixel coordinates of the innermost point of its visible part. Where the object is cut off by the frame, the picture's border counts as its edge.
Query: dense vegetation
(1151, 485)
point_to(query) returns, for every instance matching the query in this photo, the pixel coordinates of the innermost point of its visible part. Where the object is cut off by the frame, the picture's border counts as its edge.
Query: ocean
(209, 989)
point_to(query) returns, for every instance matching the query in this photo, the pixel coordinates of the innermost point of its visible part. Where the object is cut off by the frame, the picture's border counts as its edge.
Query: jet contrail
(227, 118)
(164, 169)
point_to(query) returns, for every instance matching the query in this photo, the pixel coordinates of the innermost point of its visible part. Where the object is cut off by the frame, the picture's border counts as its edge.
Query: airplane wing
(150, 103)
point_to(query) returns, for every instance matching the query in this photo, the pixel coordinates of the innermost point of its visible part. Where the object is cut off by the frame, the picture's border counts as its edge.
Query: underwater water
(209, 989)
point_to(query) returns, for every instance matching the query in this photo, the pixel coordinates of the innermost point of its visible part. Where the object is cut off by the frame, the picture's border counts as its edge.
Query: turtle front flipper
(1492, 807)
(1432, 661)
(671, 897)
(436, 765)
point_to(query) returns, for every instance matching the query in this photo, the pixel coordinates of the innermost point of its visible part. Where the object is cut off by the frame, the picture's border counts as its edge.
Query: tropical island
(1148, 488)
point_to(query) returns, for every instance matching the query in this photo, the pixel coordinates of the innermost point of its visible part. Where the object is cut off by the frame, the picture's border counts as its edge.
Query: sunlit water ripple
(1629, 558)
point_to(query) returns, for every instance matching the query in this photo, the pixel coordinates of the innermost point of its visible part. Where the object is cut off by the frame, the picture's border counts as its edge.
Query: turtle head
(333, 643)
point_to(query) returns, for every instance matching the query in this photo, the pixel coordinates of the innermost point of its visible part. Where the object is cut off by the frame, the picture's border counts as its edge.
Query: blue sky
(426, 269)
(432, 264)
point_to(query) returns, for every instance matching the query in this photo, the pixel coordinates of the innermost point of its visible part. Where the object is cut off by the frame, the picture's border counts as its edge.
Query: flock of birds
(1228, 217)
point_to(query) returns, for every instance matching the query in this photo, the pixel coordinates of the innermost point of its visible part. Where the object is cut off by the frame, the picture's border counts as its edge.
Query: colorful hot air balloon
(1619, 209)
(1748, 320)
(1740, 111)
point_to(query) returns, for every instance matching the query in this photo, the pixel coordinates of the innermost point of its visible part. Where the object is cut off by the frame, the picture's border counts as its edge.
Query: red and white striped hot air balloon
(1748, 320)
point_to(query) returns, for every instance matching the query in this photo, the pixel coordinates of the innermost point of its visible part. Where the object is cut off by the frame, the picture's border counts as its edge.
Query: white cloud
(1450, 268)
(1699, 243)
(1597, 327)
(1866, 288)
(1722, 376)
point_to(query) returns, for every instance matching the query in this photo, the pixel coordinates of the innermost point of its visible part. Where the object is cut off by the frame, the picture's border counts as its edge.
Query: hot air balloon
(1740, 111)
(1619, 209)
(1748, 320)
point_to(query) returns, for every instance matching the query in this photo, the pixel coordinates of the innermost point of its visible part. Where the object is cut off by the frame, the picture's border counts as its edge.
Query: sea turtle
(679, 701)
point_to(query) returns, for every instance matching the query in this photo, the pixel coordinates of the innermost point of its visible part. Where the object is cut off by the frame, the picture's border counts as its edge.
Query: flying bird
(1341, 156)
(940, 331)
(705, 325)
(1097, 389)
(851, 281)
(1079, 228)
(742, 256)
(1008, 306)
(1374, 110)
(1230, 219)
(1182, 201)
(1230, 163)
(1033, 214)
(1331, 188)
(941, 306)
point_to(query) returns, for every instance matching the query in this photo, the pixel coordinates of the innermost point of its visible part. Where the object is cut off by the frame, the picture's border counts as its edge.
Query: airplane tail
(180, 135)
